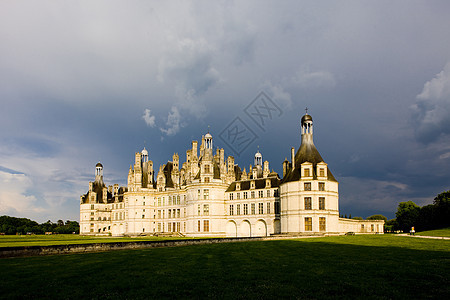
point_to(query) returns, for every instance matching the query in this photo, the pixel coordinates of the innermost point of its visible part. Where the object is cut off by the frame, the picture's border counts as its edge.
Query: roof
(99, 165)
(306, 117)
(307, 153)
(98, 189)
(260, 183)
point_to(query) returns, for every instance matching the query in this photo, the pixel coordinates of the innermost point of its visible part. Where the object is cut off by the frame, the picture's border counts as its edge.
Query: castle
(212, 196)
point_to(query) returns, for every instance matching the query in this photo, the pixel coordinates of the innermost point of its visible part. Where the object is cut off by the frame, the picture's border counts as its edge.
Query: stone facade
(209, 195)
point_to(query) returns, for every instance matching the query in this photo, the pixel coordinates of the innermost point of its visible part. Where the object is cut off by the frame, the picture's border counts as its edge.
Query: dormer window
(207, 169)
(306, 172)
(238, 186)
(322, 172)
(252, 185)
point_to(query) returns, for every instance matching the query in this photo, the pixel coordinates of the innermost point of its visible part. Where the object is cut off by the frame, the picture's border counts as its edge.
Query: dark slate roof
(237, 172)
(98, 189)
(216, 171)
(259, 184)
(99, 165)
(307, 153)
(168, 174)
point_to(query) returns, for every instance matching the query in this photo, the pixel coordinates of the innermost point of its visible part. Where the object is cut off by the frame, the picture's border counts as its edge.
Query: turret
(99, 173)
(307, 129)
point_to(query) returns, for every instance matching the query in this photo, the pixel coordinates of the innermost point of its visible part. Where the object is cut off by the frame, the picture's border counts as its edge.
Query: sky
(89, 81)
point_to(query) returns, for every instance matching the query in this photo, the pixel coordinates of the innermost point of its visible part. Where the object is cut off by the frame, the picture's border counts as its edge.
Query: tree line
(428, 217)
(13, 225)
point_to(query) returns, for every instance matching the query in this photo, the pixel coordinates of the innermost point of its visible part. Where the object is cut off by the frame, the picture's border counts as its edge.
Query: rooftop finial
(208, 128)
(306, 110)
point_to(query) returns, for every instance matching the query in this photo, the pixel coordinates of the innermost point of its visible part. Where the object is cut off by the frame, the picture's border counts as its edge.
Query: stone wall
(97, 247)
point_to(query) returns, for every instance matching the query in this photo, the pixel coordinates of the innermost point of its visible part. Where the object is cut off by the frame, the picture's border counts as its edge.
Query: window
(207, 169)
(322, 172)
(268, 193)
(206, 209)
(92, 206)
(308, 224)
(253, 208)
(199, 194)
(159, 201)
(253, 194)
(169, 227)
(277, 207)
(245, 209)
(159, 227)
(206, 225)
(143, 203)
(170, 200)
(321, 203)
(198, 225)
(362, 227)
(260, 208)
(245, 195)
(238, 209)
(206, 179)
(143, 216)
(322, 224)
(372, 227)
(321, 186)
(205, 194)
(159, 215)
(308, 204)
(276, 193)
(268, 208)
(306, 172)
(178, 213)
(169, 215)
(307, 186)
(231, 196)
(198, 209)
(260, 194)
(238, 196)
(231, 209)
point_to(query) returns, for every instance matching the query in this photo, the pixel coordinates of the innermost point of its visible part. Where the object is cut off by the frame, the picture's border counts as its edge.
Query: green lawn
(66, 239)
(369, 267)
(445, 232)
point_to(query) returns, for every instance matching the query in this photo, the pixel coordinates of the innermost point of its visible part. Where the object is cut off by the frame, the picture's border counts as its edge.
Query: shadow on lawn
(313, 269)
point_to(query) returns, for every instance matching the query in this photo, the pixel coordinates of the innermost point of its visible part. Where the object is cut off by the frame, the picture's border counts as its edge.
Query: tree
(377, 217)
(407, 215)
(357, 218)
(442, 206)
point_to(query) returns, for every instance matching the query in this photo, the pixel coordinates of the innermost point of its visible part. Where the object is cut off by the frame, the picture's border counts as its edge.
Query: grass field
(445, 232)
(67, 239)
(372, 267)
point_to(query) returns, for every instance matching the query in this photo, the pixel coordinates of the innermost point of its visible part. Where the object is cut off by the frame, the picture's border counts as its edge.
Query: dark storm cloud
(87, 81)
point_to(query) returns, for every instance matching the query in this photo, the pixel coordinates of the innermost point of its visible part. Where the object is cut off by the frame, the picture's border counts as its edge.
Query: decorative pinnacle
(306, 110)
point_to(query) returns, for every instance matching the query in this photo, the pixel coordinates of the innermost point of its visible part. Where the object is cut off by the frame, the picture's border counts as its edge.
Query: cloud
(431, 112)
(148, 118)
(13, 194)
(366, 194)
(278, 94)
(188, 63)
(307, 79)
(173, 122)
